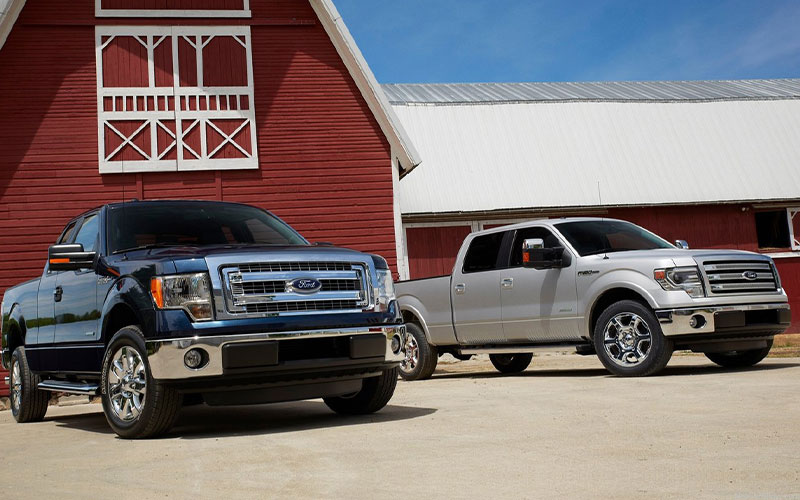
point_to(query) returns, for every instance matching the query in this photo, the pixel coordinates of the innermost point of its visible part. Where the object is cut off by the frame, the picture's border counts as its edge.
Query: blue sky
(421, 41)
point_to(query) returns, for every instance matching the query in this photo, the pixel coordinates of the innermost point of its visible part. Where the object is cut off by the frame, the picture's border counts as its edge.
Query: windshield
(606, 236)
(148, 225)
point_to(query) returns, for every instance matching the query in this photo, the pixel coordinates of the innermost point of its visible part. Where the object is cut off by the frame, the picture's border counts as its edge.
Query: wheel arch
(14, 333)
(612, 296)
(412, 315)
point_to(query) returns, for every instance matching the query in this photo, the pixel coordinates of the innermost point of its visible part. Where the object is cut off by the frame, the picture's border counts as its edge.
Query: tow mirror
(70, 258)
(536, 256)
(682, 244)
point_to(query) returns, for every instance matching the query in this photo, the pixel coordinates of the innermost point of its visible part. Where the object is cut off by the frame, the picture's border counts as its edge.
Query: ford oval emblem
(305, 285)
(750, 275)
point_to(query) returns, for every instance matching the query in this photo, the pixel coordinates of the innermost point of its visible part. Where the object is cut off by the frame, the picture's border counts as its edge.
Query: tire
(28, 402)
(629, 341)
(375, 393)
(511, 363)
(739, 359)
(126, 371)
(421, 357)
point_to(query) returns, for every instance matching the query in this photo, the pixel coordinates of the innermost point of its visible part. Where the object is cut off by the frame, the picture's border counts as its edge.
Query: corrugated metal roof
(447, 93)
(583, 154)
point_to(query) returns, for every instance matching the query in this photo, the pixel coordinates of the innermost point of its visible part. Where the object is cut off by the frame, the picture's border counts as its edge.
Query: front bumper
(265, 352)
(761, 319)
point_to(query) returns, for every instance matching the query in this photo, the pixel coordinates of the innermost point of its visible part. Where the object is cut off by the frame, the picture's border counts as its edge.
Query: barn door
(175, 98)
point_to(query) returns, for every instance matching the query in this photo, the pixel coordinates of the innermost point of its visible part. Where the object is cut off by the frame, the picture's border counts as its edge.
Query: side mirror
(535, 256)
(70, 258)
(682, 244)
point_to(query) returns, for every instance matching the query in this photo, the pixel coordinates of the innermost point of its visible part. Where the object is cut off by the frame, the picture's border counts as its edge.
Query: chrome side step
(69, 387)
(511, 349)
(7, 380)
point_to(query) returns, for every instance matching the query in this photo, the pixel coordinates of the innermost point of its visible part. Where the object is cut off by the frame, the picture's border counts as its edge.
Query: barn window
(773, 229)
(172, 8)
(175, 98)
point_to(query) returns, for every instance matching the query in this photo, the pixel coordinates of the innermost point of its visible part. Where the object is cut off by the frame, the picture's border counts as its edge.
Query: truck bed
(430, 297)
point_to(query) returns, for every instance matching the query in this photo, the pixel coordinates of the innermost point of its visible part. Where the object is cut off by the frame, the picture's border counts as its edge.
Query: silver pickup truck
(603, 286)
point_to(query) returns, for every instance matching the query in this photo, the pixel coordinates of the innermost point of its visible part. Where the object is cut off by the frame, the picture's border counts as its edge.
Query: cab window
(483, 252)
(87, 234)
(550, 241)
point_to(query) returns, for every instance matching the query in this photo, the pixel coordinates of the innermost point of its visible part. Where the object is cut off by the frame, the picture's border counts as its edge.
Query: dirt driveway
(561, 429)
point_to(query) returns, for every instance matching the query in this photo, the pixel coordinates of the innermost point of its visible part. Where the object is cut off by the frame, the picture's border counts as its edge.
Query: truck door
(476, 292)
(77, 314)
(538, 305)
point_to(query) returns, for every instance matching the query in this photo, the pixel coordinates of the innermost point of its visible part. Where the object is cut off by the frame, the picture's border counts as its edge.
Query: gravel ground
(563, 428)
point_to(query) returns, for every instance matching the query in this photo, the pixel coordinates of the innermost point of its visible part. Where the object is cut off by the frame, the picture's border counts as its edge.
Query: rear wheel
(136, 406)
(375, 393)
(420, 357)
(28, 402)
(511, 363)
(629, 341)
(740, 359)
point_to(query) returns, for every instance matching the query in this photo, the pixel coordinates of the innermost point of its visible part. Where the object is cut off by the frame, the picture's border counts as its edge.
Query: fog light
(697, 321)
(396, 344)
(195, 359)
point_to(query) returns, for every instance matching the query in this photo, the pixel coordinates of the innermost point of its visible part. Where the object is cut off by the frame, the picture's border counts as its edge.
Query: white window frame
(151, 37)
(794, 239)
(99, 11)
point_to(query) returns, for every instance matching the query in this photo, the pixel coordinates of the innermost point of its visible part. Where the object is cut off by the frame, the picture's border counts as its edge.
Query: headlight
(190, 292)
(680, 278)
(385, 291)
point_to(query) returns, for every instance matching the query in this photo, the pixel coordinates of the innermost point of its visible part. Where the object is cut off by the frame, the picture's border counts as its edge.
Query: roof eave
(366, 82)
(8, 18)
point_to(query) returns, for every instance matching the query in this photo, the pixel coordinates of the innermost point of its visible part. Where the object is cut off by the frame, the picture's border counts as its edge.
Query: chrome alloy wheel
(16, 387)
(627, 339)
(412, 354)
(127, 381)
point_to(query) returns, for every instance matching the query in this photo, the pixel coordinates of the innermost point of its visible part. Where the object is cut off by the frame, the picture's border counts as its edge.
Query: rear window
(482, 253)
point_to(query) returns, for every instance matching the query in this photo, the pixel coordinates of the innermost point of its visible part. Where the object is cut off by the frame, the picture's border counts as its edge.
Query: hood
(682, 257)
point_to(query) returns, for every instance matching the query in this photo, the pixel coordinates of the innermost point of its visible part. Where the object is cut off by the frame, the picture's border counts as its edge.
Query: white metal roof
(543, 154)
(459, 93)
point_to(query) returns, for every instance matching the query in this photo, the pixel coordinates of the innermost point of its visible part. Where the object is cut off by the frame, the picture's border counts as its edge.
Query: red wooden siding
(432, 250)
(325, 166)
(174, 4)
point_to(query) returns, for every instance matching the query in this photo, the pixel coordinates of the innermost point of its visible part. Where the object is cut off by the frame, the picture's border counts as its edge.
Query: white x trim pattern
(172, 123)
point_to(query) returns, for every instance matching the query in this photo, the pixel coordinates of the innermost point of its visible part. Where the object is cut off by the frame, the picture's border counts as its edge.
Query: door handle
(460, 289)
(57, 293)
(507, 283)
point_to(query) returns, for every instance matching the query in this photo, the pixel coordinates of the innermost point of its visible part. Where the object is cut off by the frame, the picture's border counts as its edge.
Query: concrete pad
(563, 428)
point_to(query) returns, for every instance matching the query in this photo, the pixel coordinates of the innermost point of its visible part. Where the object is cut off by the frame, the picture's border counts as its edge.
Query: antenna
(599, 194)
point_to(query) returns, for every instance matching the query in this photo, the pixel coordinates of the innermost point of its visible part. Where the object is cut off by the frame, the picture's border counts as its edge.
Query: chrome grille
(266, 287)
(742, 276)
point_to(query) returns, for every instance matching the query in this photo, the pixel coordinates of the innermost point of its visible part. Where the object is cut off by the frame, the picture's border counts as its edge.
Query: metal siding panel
(516, 156)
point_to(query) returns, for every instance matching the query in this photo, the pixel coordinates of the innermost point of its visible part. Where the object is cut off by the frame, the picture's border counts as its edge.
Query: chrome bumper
(679, 321)
(166, 357)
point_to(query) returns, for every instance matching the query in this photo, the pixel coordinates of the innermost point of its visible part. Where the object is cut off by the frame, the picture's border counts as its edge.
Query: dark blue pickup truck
(148, 303)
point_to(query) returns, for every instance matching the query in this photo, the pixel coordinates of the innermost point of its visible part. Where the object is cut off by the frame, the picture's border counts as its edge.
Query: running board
(511, 349)
(69, 387)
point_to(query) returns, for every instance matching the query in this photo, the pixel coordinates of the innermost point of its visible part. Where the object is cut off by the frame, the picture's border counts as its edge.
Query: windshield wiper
(607, 250)
(146, 247)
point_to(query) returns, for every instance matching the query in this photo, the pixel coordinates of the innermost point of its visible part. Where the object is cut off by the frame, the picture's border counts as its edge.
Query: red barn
(266, 102)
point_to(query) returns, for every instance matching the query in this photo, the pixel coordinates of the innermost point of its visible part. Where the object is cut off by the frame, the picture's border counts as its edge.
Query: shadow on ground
(201, 421)
(679, 370)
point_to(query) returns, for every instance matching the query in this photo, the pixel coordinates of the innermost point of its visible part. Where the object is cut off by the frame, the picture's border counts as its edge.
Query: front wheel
(375, 393)
(511, 363)
(740, 359)
(629, 341)
(420, 357)
(28, 402)
(136, 406)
